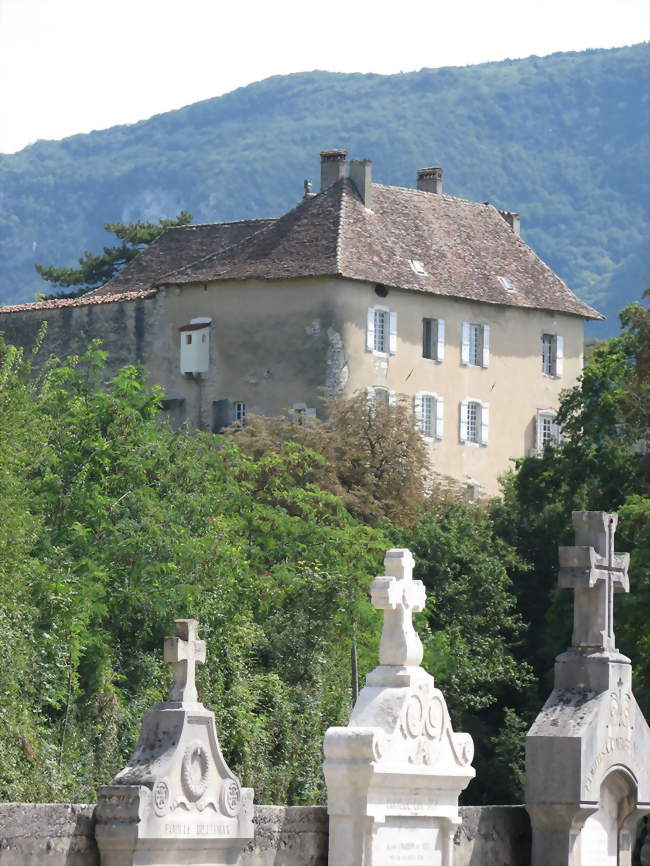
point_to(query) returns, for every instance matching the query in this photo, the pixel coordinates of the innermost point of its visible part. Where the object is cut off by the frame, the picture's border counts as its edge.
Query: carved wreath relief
(194, 771)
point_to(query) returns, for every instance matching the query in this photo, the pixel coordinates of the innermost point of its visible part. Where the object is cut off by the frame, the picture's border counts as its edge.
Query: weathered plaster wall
(513, 384)
(129, 330)
(44, 834)
(274, 344)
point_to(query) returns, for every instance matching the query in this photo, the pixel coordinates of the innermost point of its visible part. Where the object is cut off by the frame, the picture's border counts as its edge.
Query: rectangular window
(428, 411)
(381, 332)
(548, 432)
(473, 413)
(240, 412)
(475, 344)
(188, 339)
(433, 339)
(381, 328)
(552, 354)
(474, 421)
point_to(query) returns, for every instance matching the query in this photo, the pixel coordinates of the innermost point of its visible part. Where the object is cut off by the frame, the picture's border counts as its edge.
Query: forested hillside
(561, 139)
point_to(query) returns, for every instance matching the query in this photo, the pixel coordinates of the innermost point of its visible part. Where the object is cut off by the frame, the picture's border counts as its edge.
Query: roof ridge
(224, 223)
(339, 223)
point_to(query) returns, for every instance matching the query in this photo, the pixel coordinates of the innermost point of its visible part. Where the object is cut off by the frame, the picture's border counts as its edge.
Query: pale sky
(69, 66)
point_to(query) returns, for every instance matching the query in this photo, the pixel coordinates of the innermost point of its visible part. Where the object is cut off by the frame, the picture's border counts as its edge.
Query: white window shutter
(486, 346)
(439, 417)
(538, 434)
(462, 431)
(464, 349)
(392, 345)
(559, 355)
(441, 340)
(485, 423)
(391, 398)
(417, 410)
(370, 330)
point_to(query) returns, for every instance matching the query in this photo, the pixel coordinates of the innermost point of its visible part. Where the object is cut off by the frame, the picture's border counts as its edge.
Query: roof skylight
(418, 267)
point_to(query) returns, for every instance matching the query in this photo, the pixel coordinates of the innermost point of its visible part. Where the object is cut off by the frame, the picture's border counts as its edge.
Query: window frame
(478, 348)
(542, 416)
(482, 422)
(435, 425)
(389, 344)
(435, 344)
(553, 359)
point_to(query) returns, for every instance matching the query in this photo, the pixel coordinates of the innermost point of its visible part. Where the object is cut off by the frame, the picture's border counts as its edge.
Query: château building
(361, 286)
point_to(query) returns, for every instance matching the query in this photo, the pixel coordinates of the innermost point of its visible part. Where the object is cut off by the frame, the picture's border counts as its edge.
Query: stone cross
(595, 572)
(399, 596)
(184, 651)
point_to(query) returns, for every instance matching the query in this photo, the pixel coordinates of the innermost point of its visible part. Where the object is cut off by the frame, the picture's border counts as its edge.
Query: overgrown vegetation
(114, 525)
(560, 139)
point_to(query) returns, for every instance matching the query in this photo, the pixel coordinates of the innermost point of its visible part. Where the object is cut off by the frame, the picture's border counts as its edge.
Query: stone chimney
(430, 179)
(332, 167)
(513, 220)
(361, 177)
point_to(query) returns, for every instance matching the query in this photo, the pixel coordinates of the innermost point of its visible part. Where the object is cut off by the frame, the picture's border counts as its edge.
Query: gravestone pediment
(176, 801)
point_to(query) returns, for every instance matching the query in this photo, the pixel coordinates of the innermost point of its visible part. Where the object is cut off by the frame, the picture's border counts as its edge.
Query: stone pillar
(176, 802)
(394, 774)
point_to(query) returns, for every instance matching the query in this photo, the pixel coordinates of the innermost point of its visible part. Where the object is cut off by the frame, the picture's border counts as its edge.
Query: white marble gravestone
(395, 772)
(176, 803)
(588, 751)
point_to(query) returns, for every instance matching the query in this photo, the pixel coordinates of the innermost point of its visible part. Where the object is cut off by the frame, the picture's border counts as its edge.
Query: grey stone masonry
(588, 751)
(59, 834)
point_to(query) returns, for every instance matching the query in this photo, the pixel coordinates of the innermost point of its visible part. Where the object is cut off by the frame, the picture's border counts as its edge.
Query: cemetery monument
(176, 802)
(588, 751)
(394, 774)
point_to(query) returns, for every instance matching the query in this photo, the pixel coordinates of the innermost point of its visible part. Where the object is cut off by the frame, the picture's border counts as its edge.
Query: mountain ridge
(563, 139)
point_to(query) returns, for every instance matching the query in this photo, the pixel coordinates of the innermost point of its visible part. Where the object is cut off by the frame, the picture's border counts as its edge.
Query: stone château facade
(361, 286)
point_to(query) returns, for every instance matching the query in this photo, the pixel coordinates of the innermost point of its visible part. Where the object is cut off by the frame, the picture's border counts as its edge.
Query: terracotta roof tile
(84, 301)
(463, 247)
(176, 247)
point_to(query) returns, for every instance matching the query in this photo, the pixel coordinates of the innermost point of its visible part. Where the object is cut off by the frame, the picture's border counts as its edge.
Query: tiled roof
(84, 301)
(409, 239)
(177, 247)
(463, 248)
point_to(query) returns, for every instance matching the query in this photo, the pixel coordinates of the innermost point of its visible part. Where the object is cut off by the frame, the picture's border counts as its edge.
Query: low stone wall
(58, 834)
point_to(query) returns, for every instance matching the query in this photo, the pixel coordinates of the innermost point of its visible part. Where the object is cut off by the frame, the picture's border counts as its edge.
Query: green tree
(115, 525)
(602, 463)
(471, 631)
(96, 269)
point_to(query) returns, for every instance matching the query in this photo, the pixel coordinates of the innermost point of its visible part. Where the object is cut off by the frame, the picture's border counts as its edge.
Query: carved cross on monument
(399, 596)
(595, 572)
(184, 651)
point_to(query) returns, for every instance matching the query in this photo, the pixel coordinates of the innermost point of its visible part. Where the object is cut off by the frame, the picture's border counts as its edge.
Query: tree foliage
(602, 463)
(371, 455)
(113, 526)
(96, 269)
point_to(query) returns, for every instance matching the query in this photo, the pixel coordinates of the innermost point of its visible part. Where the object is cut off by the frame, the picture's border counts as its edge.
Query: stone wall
(57, 834)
